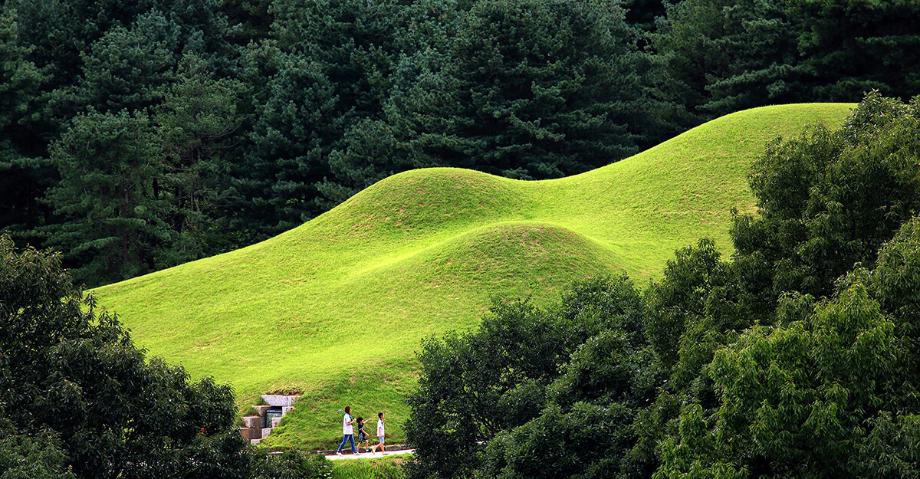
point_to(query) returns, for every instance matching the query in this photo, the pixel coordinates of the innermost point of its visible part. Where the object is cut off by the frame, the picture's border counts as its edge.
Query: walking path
(369, 455)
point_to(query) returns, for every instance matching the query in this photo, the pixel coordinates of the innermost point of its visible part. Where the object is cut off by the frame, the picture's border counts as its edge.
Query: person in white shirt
(348, 432)
(381, 434)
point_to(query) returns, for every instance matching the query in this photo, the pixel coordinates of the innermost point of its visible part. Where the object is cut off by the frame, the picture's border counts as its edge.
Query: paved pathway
(368, 455)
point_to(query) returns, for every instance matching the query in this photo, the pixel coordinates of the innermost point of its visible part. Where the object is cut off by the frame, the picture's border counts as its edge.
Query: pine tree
(197, 124)
(294, 131)
(23, 173)
(850, 48)
(108, 196)
(130, 68)
(721, 56)
(529, 89)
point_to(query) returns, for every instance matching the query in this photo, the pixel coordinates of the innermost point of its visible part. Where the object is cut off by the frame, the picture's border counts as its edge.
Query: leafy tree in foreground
(587, 427)
(829, 200)
(827, 395)
(474, 386)
(290, 464)
(76, 374)
(31, 457)
(78, 399)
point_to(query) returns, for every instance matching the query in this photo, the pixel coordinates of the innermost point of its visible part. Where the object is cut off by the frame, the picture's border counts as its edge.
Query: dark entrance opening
(273, 416)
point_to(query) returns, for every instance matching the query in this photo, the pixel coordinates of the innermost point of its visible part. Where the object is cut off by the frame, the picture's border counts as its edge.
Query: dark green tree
(75, 374)
(824, 395)
(529, 89)
(475, 386)
(130, 68)
(343, 54)
(587, 427)
(251, 18)
(841, 65)
(370, 150)
(291, 464)
(721, 56)
(292, 136)
(829, 200)
(31, 457)
(645, 13)
(352, 42)
(24, 174)
(198, 124)
(108, 197)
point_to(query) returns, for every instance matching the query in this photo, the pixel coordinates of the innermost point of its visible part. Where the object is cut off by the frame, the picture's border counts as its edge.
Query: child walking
(381, 434)
(362, 436)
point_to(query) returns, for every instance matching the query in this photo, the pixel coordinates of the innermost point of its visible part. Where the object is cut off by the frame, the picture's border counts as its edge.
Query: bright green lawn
(389, 467)
(338, 306)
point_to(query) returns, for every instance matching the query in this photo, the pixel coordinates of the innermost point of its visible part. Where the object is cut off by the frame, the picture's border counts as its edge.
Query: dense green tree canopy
(720, 56)
(821, 394)
(828, 200)
(74, 375)
(531, 89)
(475, 386)
(108, 197)
(78, 399)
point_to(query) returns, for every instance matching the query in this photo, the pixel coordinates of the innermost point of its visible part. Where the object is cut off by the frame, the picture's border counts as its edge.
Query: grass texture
(337, 307)
(379, 468)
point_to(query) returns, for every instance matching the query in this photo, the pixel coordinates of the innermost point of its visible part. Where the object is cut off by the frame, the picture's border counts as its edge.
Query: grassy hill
(337, 307)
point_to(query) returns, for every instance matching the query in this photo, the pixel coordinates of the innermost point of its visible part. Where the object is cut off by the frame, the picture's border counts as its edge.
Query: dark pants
(349, 438)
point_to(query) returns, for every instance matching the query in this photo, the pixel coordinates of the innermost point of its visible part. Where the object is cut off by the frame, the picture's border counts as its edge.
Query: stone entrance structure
(265, 416)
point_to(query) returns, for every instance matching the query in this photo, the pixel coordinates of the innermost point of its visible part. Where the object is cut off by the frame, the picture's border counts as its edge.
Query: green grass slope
(337, 307)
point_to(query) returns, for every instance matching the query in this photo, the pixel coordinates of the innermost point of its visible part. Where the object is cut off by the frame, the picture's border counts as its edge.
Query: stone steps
(268, 415)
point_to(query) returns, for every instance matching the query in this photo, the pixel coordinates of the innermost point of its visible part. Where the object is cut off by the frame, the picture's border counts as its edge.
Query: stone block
(252, 421)
(279, 400)
(250, 433)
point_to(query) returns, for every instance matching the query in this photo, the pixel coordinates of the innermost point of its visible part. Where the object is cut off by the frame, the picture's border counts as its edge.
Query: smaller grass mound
(415, 202)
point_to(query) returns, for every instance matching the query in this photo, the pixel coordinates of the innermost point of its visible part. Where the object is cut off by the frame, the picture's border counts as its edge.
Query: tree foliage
(476, 385)
(109, 196)
(720, 56)
(78, 399)
(829, 200)
(75, 373)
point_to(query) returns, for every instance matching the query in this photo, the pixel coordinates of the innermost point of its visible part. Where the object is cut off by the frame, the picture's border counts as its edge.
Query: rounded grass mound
(337, 307)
